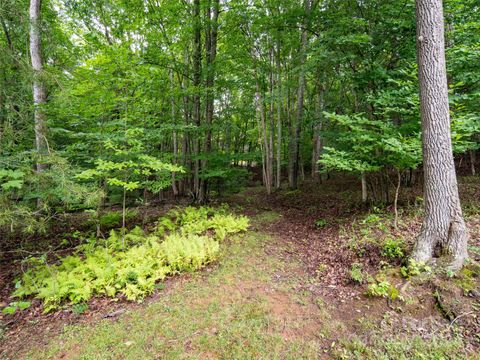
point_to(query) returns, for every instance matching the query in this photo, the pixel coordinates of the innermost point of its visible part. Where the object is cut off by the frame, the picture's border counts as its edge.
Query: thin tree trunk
(443, 224)
(7, 34)
(300, 103)
(364, 188)
(39, 92)
(4, 81)
(2, 105)
(211, 34)
(271, 127)
(186, 149)
(124, 213)
(197, 59)
(174, 137)
(472, 162)
(317, 141)
(291, 143)
(395, 201)
(279, 118)
(264, 144)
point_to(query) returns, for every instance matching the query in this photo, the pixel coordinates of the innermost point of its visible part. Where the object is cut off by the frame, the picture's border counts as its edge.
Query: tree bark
(174, 135)
(211, 35)
(443, 226)
(197, 60)
(300, 103)
(472, 162)
(263, 135)
(317, 140)
(395, 201)
(279, 117)
(271, 127)
(364, 188)
(39, 92)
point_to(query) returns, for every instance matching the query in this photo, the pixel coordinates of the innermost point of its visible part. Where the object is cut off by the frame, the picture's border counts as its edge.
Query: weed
(320, 223)
(466, 279)
(80, 308)
(356, 273)
(414, 268)
(113, 219)
(371, 219)
(393, 248)
(267, 217)
(381, 287)
(16, 305)
(321, 269)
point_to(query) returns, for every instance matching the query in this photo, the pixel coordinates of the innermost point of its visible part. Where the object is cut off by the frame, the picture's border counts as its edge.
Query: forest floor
(283, 290)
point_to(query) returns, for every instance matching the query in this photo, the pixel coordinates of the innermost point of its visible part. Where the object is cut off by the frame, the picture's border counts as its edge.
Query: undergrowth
(130, 264)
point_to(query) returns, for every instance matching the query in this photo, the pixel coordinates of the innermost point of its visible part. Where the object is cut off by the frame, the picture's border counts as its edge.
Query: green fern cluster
(202, 220)
(130, 264)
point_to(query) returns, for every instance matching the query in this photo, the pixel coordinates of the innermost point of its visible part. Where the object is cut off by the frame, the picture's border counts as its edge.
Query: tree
(39, 92)
(295, 148)
(197, 62)
(443, 225)
(211, 38)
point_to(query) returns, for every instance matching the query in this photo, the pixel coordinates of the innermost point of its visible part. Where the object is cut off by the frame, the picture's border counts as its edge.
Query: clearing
(286, 289)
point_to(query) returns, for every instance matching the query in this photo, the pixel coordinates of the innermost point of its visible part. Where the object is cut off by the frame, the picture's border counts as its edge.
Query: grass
(222, 315)
(403, 348)
(267, 217)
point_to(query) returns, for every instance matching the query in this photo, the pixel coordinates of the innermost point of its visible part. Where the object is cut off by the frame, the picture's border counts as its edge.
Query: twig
(453, 321)
(458, 317)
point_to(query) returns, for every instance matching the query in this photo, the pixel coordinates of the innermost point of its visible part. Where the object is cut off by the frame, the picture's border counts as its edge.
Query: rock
(114, 314)
(474, 294)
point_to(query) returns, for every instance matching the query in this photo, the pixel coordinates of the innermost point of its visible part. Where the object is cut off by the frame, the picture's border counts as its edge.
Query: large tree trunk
(39, 92)
(443, 225)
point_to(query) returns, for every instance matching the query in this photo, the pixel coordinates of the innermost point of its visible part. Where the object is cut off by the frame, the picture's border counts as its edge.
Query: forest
(239, 179)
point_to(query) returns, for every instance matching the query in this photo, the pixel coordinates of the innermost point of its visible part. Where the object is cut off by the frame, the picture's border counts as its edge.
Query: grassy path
(245, 307)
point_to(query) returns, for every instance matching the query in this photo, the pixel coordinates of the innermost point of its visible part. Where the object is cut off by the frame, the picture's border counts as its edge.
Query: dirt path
(251, 303)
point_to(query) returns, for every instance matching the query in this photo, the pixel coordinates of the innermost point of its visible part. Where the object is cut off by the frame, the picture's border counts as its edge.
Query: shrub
(381, 287)
(414, 268)
(356, 273)
(199, 221)
(320, 223)
(393, 248)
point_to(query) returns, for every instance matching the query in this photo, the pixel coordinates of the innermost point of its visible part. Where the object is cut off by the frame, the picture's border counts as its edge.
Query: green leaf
(9, 310)
(12, 184)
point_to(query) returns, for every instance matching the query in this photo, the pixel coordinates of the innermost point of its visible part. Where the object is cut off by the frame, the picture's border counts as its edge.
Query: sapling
(129, 168)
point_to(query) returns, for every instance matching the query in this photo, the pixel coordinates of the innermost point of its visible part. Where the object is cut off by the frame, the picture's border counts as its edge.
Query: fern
(132, 266)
